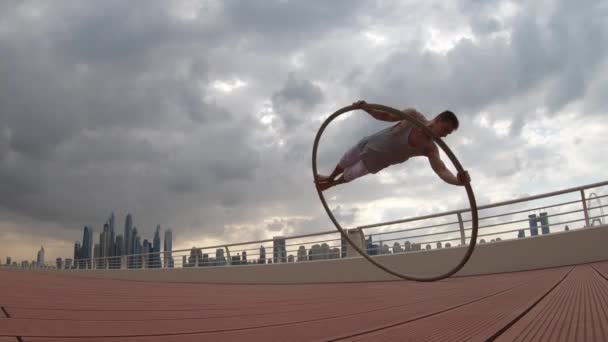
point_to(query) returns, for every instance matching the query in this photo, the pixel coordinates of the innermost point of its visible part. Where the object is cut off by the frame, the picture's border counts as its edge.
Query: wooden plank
(577, 310)
(405, 301)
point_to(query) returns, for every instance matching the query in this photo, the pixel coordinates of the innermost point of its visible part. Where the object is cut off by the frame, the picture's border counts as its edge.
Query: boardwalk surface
(568, 303)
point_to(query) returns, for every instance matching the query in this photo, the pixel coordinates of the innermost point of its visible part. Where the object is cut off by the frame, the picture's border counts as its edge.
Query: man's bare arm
(382, 116)
(442, 171)
(377, 114)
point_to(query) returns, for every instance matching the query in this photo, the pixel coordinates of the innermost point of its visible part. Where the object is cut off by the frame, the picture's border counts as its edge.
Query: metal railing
(567, 209)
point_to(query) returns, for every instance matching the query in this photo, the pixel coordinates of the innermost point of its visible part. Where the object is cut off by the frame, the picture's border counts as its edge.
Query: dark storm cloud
(551, 46)
(294, 100)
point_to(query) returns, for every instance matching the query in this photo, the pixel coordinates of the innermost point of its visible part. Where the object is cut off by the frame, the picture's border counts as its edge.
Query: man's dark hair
(450, 117)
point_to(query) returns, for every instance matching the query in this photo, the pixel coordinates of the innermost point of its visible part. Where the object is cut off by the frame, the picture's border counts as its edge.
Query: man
(395, 145)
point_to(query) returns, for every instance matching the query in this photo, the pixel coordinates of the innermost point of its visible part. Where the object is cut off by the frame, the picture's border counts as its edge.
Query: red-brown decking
(568, 303)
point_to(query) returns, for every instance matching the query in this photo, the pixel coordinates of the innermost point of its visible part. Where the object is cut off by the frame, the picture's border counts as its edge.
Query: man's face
(443, 128)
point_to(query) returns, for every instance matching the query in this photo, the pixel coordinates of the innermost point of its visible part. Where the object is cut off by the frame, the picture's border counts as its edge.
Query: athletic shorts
(352, 164)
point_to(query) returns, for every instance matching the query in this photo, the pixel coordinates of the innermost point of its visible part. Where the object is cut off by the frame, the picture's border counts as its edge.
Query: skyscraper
(128, 234)
(155, 257)
(133, 249)
(77, 257)
(220, 259)
(59, 263)
(301, 254)
(119, 246)
(533, 221)
(112, 237)
(8, 261)
(147, 247)
(87, 243)
(262, 259)
(168, 248)
(279, 252)
(521, 234)
(40, 257)
(544, 223)
(96, 256)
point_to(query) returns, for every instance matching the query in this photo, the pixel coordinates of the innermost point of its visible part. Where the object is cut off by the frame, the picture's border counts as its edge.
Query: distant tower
(87, 243)
(262, 259)
(59, 263)
(156, 248)
(521, 234)
(301, 254)
(533, 221)
(128, 235)
(168, 248)
(279, 252)
(544, 223)
(112, 237)
(40, 257)
(77, 255)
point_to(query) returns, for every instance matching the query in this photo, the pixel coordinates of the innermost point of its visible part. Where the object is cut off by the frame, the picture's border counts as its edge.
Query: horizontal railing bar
(489, 206)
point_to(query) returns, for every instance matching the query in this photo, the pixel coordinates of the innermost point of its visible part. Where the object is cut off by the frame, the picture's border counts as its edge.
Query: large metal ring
(448, 152)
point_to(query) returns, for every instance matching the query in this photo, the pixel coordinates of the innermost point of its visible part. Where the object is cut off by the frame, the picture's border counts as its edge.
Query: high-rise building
(334, 253)
(40, 257)
(244, 258)
(119, 246)
(439, 245)
(112, 236)
(147, 247)
(8, 261)
(301, 254)
(155, 257)
(96, 256)
(86, 250)
(220, 259)
(68, 264)
(134, 260)
(128, 235)
(544, 223)
(59, 263)
(397, 247)
(533, 221)
(262, 258)
(77, 257)
(196, 257)
(521, 234)
(168, 249)
(279, 251)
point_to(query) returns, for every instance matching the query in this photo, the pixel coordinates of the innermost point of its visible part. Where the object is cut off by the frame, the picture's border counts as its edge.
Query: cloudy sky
(200, 115)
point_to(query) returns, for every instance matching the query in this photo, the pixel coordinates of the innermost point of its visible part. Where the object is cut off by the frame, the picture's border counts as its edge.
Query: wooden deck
(568, 304)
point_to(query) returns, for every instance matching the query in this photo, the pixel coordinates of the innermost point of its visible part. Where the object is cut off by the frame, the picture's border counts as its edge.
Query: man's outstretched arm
(442, 171)
(377, 114)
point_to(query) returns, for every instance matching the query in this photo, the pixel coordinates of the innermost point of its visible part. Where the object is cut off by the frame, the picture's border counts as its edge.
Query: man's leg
(351, 157)
(354, 171)
(337, 171)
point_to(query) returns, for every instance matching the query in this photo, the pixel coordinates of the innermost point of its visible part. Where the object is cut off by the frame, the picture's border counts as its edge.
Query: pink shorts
(352, 164)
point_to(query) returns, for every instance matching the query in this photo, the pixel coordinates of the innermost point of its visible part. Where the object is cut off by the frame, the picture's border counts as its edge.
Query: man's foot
(322, 179)
(325, 185)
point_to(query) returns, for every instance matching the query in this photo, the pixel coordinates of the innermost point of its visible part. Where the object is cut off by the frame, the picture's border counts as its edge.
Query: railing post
(585, 208)
(462, 236)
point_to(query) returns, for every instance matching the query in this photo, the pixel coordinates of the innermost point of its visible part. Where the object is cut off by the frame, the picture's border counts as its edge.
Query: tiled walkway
(569, 304)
